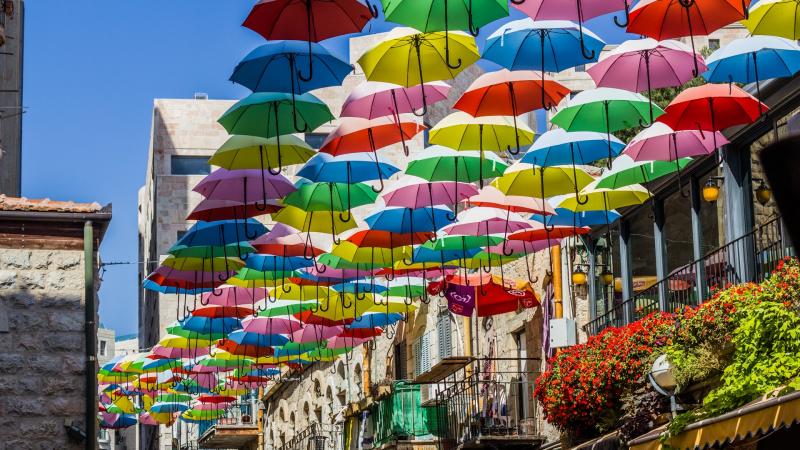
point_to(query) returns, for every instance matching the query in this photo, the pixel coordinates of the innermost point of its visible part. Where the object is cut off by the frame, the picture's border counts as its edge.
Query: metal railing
(313, 437)
(479, 408)
(236, 415)
(751, 257)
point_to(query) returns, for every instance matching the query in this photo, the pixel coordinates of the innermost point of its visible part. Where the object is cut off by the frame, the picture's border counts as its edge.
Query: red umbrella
(544, 233)
(217, 311)
(712, 107)
(489, 294)
(208, 398)
(252, 351)
(668, 19)
(387, 239)
(309, 20)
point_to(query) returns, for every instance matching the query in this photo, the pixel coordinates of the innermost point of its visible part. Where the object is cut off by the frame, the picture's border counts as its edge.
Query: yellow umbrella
(345, 306)
(376, 256)
(291, 291)
(125, 405)
(254, 152)
(309, 221)
(393, 306)
(172, 341)
(775, 18)
(600, 199)
(203, 264)
(280, 359)
(408, 57)
(533, 181)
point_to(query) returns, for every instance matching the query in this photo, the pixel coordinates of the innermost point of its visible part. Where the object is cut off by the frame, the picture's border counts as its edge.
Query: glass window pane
(678, 230)
(190, 165)
(315, 140)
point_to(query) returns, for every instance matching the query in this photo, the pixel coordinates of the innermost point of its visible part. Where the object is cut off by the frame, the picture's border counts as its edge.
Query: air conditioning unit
(563, 333)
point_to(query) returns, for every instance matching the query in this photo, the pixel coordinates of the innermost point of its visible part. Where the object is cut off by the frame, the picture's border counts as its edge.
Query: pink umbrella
(661, 143)
(234, 296)
(270, 325)
(146, 419)
(339, 274)
(211, 406)
(479, 221)
(241, 185)
(491, 197)
(640, 65)
(413, 192)
(171, 352)
(373, 99)
(522, 246)
(344, 342)
(315, 333)
(574, 10)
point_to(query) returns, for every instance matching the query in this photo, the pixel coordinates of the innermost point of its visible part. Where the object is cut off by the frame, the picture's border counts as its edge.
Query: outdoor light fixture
(578, 276)
(606, 277)
(662, 378)
(711, 190)
(763, 193)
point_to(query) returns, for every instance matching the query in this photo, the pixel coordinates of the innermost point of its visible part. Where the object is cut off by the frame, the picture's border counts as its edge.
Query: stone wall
(42, 376)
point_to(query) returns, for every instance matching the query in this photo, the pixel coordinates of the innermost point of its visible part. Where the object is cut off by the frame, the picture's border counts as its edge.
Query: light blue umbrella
(211, 325)
(168, 407)
(274, 67)
(558, 147)
(549, 45)
(259, 340)
(372, 320)
(349, 168)
(272, 263)
(565, 217)
(752, 60)
(407, 220)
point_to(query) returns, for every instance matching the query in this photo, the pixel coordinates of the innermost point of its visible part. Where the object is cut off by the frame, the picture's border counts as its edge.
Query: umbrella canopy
(271, 325)
(439, 163)
(713, 107)
(274, 67)
(408, 57)
(373, 99)
(304, 20)
(271, 114)
(506, 93)
(604, 110)
(387, 239)
(565, 217)
(558, 147)
(331, 196)
(406, 220)
(660, 142)
(348, 168)
(606, 199)
(284, 240)
(441, 15)
(532, 181)
(253, 152)
(413, 192)
(241, 185)
(625, 171)
(491, 197)
(357, 135)
(548, 45)
(211, 210)
(308, 221)
(774, 17)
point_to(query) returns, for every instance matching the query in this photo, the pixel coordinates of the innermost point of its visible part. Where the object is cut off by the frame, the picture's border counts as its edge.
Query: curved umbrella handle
(417, 45)
(447, 39)
(517, 2)
(373, 10)
(310, 60)
(627, 16)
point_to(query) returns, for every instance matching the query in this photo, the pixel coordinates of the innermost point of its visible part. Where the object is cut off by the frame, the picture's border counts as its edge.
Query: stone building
(48, 349)
(12, 38)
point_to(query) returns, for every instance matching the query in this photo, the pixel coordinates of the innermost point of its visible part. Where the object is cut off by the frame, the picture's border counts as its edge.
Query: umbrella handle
(334, 236)
(531, 279)
(373, 10)
(627, 16)
(417, 45)
(517, 2)
(584, 50)
(310, 61)
(447, 40)
(377, 162)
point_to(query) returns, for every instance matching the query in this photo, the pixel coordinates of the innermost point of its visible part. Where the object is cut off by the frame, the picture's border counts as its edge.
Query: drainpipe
(91, 335)
(558, 295)
(366, 371)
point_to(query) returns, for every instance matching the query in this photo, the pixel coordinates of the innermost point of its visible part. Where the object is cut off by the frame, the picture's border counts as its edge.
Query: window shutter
(425, 350)
(415, 348)
(444, 336)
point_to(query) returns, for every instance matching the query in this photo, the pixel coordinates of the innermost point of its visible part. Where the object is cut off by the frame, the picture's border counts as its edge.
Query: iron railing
(477, 408)
(313, 437)
(236, 415)
(751, 257)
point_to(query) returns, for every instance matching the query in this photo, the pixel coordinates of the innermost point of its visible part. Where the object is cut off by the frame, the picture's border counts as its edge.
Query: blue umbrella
(558, 147)
(423, 254)
(168, 407)
(360, 288)
(259, 340)
(567, 218)
(349, 168)
(223, 325)
(373, 320)
(549, 45)
(122, 421)
(272, 67)
(753, 59)
(272, 263)
(220, 232)
(407, 220)
(151, 285)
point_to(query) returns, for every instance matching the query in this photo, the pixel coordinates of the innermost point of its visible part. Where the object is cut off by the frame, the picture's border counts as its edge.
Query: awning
(756, 418)
(607, 441)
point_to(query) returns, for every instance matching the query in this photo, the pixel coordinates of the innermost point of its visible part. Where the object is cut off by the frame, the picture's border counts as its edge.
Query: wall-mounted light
(711, 190)
(606, 277)
(578, 276)
(763, 192)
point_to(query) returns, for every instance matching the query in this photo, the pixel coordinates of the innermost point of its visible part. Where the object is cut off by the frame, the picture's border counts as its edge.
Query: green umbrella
(327, 196)
(444, 15)
(176, 329)
(280, 308)
(327, 354)
(251, 278)
(438, 163)
(173, 398)
(271, 114)
(459, 242)
(625, 171)
(184, 251)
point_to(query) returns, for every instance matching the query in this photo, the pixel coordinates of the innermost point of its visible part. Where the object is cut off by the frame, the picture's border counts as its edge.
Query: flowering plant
(584, 384)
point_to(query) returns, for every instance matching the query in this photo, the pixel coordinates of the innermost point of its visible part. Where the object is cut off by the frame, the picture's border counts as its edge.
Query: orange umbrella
(669, 19)
(712, 107)
(387, 239)
(357, 135)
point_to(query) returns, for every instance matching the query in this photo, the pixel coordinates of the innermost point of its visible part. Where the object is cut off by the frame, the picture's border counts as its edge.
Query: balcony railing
(479, 409)
(751, 257)
(313, 437)
(236, 415)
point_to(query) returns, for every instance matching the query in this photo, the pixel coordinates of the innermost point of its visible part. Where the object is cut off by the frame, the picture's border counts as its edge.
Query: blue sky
(92, 70)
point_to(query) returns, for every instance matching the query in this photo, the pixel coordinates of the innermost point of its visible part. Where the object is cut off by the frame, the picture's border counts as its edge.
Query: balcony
(751, 257)
(238, 429)
(314, 437)
(483, 411)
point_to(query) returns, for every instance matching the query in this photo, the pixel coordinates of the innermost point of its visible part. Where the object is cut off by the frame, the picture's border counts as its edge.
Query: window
(444, 335)
(315, 140)
(713, 44)
(400, 370)
(422, 354)
(580, 68)
(190, 165)
(181, 233)
(103, 348)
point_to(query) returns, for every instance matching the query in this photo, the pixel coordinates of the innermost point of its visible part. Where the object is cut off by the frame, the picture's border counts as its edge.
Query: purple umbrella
(413, 192)
(373, 99)
(315, 333)
(480, 220)
(270, 325)
(241, 185)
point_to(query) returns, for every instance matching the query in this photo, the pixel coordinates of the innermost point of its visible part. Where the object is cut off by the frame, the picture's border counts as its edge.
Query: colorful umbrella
(438, 163)
(662, 143)
(349, 168)
(546, 45)
(775, 18)
(566, 218)
(406, 220)
(532, 181)
(668, 19)
(606, 199)
(253, 152)
(491, 197)
(373, 99)
(331, 197)
(625, 172)
(241, 185)
(408, 58)
(272, 114)
(211, 210)
(413, 192)
(357, 135)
